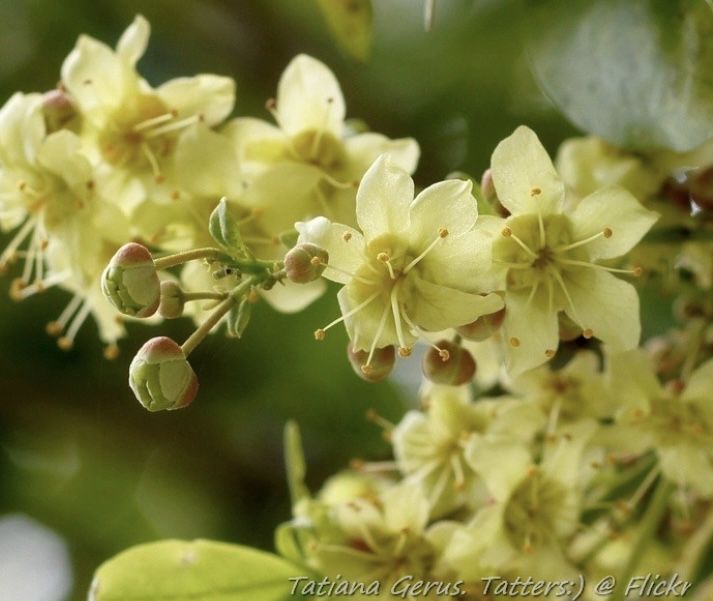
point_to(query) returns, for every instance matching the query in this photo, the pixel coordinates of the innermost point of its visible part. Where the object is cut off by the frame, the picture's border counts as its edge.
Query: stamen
(149, 123)
(458, 471)
(148, 153)
(183, 123)
(386, 260)
(379, 332)
(19, 238)
(512, 265)
(66, 342)
(346, 236)
(533, 291)
(563, 286)
(442, 233)
(514, 342)
(404, 351)
(587, 333)
(111, 352)
(541, 225)
(549, 353)
(442, 353)
(320, 333)
(636, 271)
(605, 233)
(40, 286)
(375, 418)
(358, 278)
(507, 233)
(54, 328)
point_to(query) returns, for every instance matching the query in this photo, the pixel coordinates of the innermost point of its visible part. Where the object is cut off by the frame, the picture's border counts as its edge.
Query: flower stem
(218, 313)
(194, 296)
(190, 255)
(647, 529)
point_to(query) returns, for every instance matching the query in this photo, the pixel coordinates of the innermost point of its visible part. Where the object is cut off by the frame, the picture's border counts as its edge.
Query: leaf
(350, 23)
(200, 570)
(224, 229)
(239, 317)
(637, 73)
(295, 463)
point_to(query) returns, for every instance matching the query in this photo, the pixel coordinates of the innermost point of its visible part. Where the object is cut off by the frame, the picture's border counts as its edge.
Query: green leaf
(350, 23)
(295, 463)
(200, 570)
(224, 229)
(638, 73)
(239, 317)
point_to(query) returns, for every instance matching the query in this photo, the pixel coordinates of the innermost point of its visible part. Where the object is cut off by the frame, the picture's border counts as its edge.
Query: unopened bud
(483, 327)
(448, 363)
(161, 377)
(58, 110)
(172, 300)
(305, 263)
(130, 281)
(380, 366)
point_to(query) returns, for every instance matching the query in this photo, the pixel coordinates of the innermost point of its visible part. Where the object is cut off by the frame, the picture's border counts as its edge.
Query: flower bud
(58, 110)
(380, 366)
(130, 281)
(483, 327)
(305, 263)
(172, 300)
(448, 363)
(161, 377)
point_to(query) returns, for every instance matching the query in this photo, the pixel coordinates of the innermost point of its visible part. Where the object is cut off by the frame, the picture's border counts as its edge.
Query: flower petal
(448, 205)
(524, 177)
(531, 330)
(363, 149)
(433, 307)
(292, 298)
(612, 209)
(501, 462)
(133, 41)
(383, 199)
(606, 305)
(205, 162)
(700, 385)
(60, 154)
(363, 325)
(344, 245)
(256, 140)
(210, 96)
(309, 98)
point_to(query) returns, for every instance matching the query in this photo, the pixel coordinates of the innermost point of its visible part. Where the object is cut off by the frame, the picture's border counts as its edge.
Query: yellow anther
(607, 233)
(111, 352)
(535, 192)
(549, 353)
(442, 232)
(638, 271)
(587, 333)
(506, 232)
(319, 334)
(346, 236)
(404, 351)
(514, 342)
(444, 355)
(53, 328)
(65, 343)
(383, 257)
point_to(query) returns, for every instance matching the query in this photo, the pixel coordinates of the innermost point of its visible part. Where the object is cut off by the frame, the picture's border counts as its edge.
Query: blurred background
(84, 470)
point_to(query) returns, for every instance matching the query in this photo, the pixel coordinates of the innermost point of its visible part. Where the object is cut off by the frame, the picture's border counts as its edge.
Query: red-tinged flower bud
(448, 363)
(702, 189)
(130, 281)
(58, 110)
(380, 366)
(305, 263)
(483, 327)
(173, 300)
(161, 377)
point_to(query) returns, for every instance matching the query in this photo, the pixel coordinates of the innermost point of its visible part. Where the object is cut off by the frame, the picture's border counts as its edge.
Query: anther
(319, 334)
(587, 333)
(271, 104)
(65, 343)
(53, 328)
(549, 353)
(111, 352)
(514, 342)
(16, 287)
(346, 236)
(637, 271)
(383, 257)
(535, 192)
(607, 233)
(506, 232)
(443, 354)
(405, 351)
(442, 232)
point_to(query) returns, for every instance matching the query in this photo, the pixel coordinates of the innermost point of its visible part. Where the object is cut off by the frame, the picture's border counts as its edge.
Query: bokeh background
(78, 455)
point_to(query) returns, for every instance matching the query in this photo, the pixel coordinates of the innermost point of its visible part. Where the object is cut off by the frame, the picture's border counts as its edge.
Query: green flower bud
(161, 377)
(380, 366)
(305, 263)
(172, 300)
(130, 281)
(483, 327)
(448, 363)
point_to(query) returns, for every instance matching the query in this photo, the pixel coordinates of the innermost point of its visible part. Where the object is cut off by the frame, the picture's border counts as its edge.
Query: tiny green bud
(172, 300)
(130, 281)
(161, 377)
(448, 363)
(380, 366)
(305, 263)
(483, 327)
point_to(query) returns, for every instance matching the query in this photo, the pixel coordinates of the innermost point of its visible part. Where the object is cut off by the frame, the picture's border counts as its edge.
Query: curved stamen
(386, 260)
(605, 233)
(442, 233)
(635, 271)
(507, 233)
(66, 342)
(183, 123)
(404, 350)
(148, 153)
(19, 238)
(319, 333)
(379, 332)
(153, 121)
(563, 286)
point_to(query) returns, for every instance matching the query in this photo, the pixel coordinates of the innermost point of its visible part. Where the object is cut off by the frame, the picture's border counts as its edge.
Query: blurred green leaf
(224, 229)
(239, 317)
(350, 22)
(295, 463)
(193, 571)
(637, 73)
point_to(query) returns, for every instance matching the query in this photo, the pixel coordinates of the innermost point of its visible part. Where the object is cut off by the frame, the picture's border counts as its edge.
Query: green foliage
(636, 73)
(224, 229)
(197, 571)
(350, 23)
